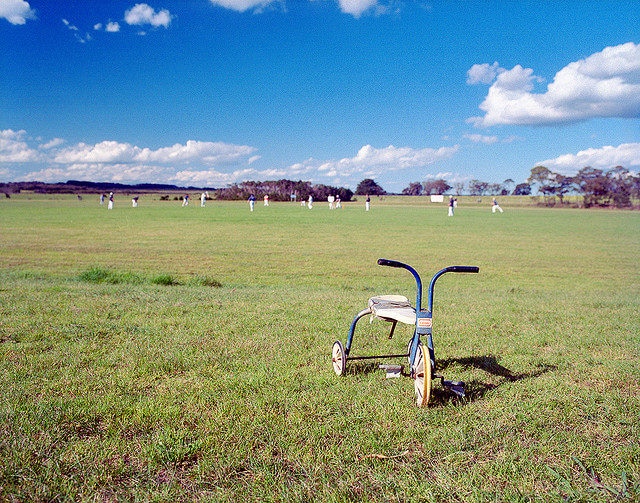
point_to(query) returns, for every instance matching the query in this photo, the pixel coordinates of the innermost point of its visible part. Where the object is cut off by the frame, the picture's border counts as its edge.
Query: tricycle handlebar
(452, 268)
(463, 268)
(390, 263)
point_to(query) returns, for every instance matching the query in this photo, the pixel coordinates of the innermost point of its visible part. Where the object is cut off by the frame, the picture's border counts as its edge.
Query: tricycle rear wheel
(338, 358)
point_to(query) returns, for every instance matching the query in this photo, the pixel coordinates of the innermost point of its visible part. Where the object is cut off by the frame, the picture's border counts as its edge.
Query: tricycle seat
(393, 308)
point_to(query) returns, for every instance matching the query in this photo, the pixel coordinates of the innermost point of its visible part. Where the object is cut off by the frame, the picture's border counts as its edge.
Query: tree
(595, 186)
(414, 189)
(477, 188)
(622, 186)
(542, 177)
(458, 187)
(436, 187)
(522, 189)
(560, 185)
(507, 186)
(494, 189)
(369, 186)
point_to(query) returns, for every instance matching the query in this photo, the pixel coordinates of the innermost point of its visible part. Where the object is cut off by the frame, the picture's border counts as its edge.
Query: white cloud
(356, 7)
(141, 14)
(215, 178)
(242, 5)
(478, 138)
(605, 84)
(483, 74)
(69, 25)
(353, 7)
(16, 11)
(209, 153)
(112, 27)
(76, 32)
(51, 144)
(14, 148)
(626, 155)
(372, 161)
(197, 151)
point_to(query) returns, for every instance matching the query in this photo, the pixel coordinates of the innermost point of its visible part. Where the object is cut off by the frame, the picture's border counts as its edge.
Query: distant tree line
(617, 187)
(82, 187)
(283, 190)
(472, 187)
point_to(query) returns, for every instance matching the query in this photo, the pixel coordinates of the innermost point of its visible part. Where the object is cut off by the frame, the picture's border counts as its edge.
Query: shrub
(164, 279)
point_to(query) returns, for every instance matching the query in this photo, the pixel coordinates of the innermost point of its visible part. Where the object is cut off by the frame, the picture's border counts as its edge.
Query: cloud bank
(626, 155)
(195, 162)
(605, 84)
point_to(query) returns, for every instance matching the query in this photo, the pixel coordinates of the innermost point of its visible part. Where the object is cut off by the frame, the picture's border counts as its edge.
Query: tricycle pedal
(456, 386)
(392, 371)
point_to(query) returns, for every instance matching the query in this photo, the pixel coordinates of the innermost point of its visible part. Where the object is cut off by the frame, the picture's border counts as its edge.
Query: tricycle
(397, 308)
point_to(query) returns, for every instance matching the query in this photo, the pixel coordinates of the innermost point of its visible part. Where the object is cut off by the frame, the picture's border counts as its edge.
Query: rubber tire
(422, 376)
(338, 358)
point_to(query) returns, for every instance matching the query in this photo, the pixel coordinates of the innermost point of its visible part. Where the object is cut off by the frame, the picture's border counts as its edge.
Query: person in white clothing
(495, 206)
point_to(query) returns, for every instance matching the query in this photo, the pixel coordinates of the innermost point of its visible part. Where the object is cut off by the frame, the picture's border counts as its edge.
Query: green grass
(125, 376)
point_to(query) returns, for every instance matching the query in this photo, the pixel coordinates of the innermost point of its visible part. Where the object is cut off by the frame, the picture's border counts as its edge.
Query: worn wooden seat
(393, 308)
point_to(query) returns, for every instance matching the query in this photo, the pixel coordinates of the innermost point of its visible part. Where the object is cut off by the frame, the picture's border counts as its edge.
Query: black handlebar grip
(463, 268)
(390, 263)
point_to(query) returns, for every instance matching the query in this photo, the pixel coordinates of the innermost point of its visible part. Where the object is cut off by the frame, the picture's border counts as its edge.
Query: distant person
(495, 206)
(451, 206)
(110, 205)
(367, 203)
(252, 201)
(266, 199)
(102, 196)
(203, 199)
(331, 200)
(134, 201)
(310, 203)
(185, 200)
(338, 202)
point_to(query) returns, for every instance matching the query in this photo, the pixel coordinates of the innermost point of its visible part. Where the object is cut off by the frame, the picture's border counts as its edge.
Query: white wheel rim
(420, 372)
(337, 359)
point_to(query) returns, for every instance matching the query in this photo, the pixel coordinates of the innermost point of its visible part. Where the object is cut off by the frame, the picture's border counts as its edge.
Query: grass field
(163, 353)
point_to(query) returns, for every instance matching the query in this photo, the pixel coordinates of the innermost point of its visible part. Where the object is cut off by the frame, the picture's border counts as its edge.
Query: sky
(208, 93)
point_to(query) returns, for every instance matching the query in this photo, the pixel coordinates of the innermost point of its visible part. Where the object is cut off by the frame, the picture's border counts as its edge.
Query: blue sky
(214, 92)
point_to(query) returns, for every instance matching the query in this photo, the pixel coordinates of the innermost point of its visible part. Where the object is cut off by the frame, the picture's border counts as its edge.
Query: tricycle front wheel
(422, 376)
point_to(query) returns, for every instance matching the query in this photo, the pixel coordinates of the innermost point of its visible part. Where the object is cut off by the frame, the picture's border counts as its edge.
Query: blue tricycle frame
(394, 309)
